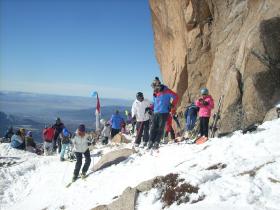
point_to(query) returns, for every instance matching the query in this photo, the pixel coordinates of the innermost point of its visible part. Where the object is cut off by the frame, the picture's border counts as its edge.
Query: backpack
(48, 134)
(190, 116)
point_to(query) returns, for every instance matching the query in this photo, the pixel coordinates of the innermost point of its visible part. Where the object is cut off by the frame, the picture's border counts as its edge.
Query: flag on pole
(97, 110)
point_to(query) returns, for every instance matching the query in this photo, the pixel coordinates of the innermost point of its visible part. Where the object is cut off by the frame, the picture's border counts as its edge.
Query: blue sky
(72, 47)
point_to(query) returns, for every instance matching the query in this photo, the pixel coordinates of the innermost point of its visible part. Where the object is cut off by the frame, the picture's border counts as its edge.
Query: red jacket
(48, 134)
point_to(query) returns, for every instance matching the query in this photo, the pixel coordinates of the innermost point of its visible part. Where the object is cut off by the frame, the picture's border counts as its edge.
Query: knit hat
(82, 128)
(156, 82)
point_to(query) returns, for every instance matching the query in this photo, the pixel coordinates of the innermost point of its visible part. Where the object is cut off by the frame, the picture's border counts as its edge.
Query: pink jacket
(205, 110)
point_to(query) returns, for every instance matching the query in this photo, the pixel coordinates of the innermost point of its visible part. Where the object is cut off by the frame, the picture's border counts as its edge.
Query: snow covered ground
(250, 180)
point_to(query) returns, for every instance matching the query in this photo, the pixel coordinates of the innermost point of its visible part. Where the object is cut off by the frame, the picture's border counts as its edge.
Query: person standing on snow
(81, 147)
(58, 127)
(164, 101)
(205, 104)
(48, 134)
(65, 142)
(138, 111)
(116, 122)
(105, 133)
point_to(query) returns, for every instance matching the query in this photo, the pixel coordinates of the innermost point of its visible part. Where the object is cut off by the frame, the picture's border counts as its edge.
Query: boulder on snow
(126, 201)
(272, 114)
(112, 158)
(120, 138)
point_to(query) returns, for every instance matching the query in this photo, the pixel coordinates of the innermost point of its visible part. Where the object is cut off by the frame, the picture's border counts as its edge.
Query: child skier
(65, 141)
(205, 104)
(106, 133)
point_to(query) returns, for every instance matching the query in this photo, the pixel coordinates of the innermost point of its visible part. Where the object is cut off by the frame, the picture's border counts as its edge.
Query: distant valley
(34, 111)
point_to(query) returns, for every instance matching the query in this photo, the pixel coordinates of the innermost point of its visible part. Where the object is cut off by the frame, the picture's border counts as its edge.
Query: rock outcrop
(232, 47)
(112, 158)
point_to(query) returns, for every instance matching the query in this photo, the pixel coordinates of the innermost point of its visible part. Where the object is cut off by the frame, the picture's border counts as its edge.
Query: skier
(164, 100)
(116, 122)
(58, 127)
(205, 104)
(81, 146)
(65, 141)
(190, 117)
(48, 134)
(17, 140)
(142, 119)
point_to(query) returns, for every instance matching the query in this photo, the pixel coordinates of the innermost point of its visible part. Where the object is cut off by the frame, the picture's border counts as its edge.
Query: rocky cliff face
(232, 47)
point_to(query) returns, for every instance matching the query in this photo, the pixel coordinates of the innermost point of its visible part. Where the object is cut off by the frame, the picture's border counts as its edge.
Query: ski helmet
(204, 91)
(103, 121)
(65, 132)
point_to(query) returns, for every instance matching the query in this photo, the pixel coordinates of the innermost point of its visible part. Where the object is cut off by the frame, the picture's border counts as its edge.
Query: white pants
(48, 146)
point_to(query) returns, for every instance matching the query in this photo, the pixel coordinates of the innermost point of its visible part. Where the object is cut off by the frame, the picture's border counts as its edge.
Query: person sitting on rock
(9, 134)
(30, 145)
(17, 140)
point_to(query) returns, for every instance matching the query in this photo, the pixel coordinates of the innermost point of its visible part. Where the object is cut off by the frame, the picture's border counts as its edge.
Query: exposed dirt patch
(175, 190)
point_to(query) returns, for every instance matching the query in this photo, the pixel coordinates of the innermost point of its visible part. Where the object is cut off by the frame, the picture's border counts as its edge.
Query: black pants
(142, 127)
(105, 140)
(79, 156)
(158, 125)
(204, 124)
(57, 143)
(114, 132)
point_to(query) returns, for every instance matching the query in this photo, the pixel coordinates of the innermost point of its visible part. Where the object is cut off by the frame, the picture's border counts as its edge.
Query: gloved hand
(148, 109)
(205, 103)
(200, 100)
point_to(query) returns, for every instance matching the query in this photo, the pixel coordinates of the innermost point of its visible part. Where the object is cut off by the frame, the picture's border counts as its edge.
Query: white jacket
(106, 131)
(81, 143)
(138, 110)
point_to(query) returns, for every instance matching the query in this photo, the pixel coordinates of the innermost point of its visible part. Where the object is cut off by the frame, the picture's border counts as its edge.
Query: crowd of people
(150, 122)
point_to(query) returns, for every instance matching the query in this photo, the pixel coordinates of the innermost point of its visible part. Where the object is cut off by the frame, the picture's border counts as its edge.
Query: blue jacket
(16, 141)
(116, 121)
(162, 100)
(190, 116)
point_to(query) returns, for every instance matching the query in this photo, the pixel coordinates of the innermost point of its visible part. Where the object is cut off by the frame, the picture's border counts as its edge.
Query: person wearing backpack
(65, 142)
(48, 134)
(190, 118)
(205, 104)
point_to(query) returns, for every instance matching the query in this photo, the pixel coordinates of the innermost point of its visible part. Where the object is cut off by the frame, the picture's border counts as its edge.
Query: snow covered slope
(250, 178)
